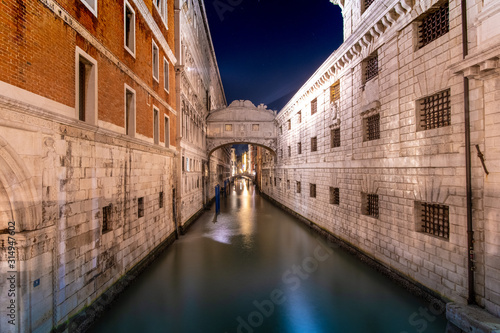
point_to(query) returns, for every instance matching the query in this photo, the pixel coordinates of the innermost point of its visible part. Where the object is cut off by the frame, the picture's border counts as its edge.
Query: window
(140, 207)
(91, 5)
(299, 148)
(372, 127)
(312, 190)
(281, 129)
(161, 199)
(289, 151)
(314, 106)
(129, 29)
(366, 4)
(156, 125)
(335, 138)
(314, 144)
(289, 124)
(288, 184)
(271, 181)
(187, 164)
(166, 77)
(298, 187)
(156, 61)
(167, 131)
(335, 91)
(334, 195)
(86, 87)
(255, 127)
(228, 128)
(370, 204)
(371, 67)
(129, 111)
(434, 111)
(434, 25)
(281, 153)
(274, 181)
(433, 219)
(161, 7)
(106, 218)
(299, 117)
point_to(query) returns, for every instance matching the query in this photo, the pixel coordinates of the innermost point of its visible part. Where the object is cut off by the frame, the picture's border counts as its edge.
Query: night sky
(266, 50)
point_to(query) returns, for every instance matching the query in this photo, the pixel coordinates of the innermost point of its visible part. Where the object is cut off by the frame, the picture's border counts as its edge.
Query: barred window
(335, 138)
(289, 151)
(312, 190)
(289, 124)
(299, 148)
(160, 199)
(106, 217)
(434, 219)
(370, 204)
(314, 144)
(314, 106)
(274, 181)
(298, 187)
(371, 67)
(435, 111)
(367, 3)
(372, 127)
(335, 91)
(288, 184)
(434, 25)
(140, 207)
(334, 195)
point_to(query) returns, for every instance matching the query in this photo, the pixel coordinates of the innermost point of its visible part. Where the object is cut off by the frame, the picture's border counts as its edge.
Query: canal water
(256, 269)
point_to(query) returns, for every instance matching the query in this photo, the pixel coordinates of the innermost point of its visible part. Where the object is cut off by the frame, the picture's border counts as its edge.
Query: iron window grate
(106, 217)
(299, 148)
(371, 68)
(373, 127)
(335, 134)
(335, 91)
(436, 220)
(314, 106)
(372, 205)
(312, 190)
(334, 195)
(434, 25)
(298, 187)
(314, 144)
(140, 207)
(435, 110)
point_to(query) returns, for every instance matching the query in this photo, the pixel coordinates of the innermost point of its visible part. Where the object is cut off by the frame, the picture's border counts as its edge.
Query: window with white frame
(91, 5)
(167, 131)
(156, 125)
(161, 7)
(86, 87)
(156, 61)
(129, 111)
(166, 72)
(129, 28)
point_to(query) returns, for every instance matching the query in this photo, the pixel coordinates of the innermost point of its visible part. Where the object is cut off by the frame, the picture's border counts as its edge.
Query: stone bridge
(242, 123)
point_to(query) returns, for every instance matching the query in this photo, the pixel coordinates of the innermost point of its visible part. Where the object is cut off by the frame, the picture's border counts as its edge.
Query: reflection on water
(256, 269)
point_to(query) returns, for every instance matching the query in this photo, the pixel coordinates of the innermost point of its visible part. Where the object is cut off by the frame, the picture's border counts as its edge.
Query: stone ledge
(472, 319)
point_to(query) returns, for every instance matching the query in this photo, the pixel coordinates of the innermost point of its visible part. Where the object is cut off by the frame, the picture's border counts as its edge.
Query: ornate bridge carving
(242, 122)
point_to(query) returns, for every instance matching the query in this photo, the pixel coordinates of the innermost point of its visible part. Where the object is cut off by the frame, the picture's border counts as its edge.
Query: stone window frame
(90, 7)
(155, 61)
(130, 37)
(166, 130)
(90, 111)
(166, 75)
(312, 190)
(156, 125)
(366, 117)
(314, 144)
(129, 111)
(421, 219)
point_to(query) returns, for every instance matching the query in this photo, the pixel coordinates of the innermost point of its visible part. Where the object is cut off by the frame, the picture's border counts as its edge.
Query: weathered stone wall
(407, 165)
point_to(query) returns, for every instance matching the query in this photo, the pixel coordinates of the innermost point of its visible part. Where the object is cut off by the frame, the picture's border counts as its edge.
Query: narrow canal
(259, 270)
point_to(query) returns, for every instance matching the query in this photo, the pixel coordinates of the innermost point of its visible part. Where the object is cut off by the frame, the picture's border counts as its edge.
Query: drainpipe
(468, 169)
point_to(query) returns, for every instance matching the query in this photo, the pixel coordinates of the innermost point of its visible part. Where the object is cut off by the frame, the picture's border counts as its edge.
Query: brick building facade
(373, 148)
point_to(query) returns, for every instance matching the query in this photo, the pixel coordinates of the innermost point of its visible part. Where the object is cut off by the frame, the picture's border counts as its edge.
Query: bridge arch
(242, 123)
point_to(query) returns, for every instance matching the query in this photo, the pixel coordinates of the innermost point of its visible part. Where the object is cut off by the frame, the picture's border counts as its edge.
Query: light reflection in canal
(256, 269)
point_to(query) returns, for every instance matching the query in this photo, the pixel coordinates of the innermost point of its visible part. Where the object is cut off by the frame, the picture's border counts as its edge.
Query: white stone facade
(199, 91)
(405, 166)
